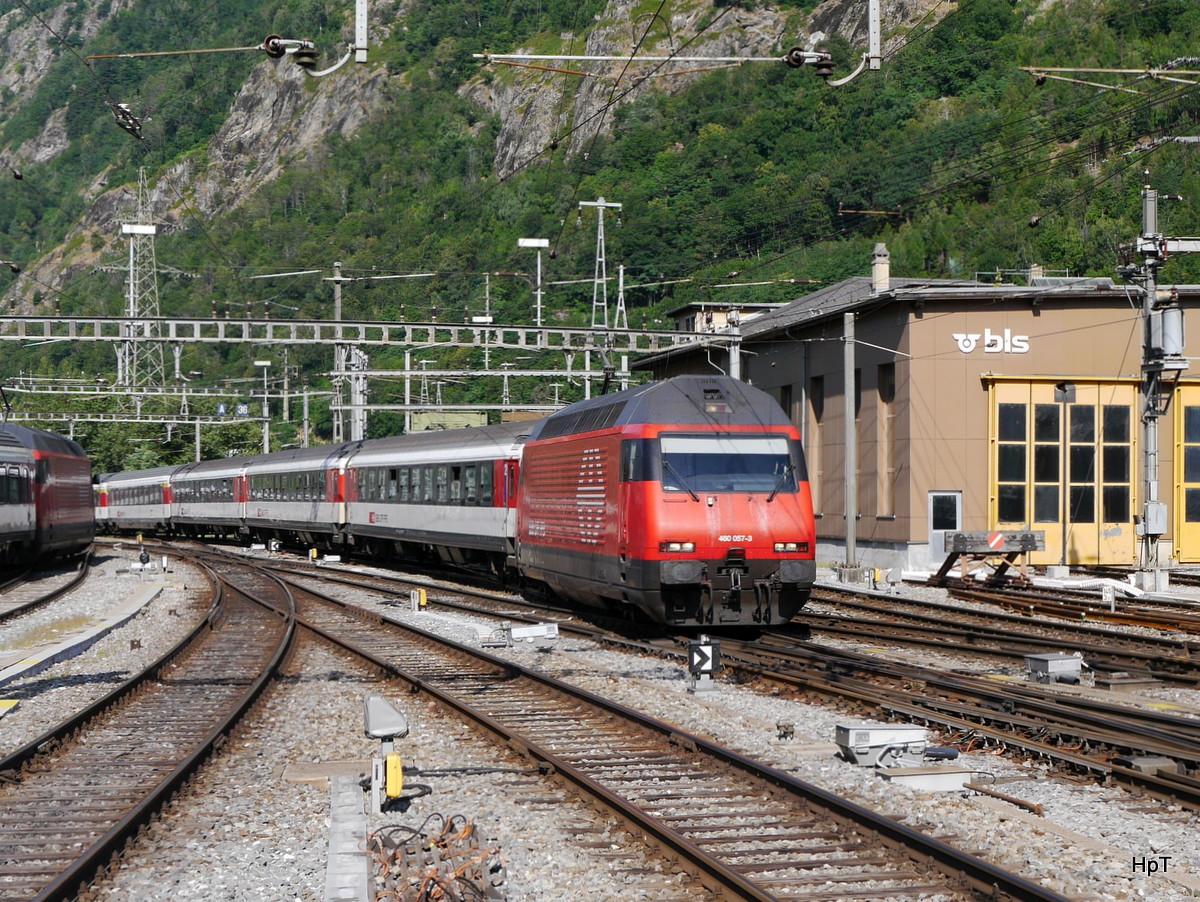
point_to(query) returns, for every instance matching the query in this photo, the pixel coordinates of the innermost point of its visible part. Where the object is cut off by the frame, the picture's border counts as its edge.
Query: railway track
(1075, 732)
(746, 830)
(1030, 720)
(1009, 635)
(34, 588)
(1160, 614)
(105, 771)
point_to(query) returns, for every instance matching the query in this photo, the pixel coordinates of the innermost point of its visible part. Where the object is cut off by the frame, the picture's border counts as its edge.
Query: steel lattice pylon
(140, 362)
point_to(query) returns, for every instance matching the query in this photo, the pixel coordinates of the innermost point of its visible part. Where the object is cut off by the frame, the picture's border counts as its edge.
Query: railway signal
(704, 659)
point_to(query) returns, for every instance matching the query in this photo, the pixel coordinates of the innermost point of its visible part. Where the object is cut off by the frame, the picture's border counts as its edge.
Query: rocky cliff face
(277, 119)
(544, 112)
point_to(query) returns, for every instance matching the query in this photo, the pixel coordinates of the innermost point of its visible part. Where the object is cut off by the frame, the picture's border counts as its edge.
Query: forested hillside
(391, 168)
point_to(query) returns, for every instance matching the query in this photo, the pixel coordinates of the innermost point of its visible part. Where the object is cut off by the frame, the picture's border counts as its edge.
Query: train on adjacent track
(683, 502)
(46, 507)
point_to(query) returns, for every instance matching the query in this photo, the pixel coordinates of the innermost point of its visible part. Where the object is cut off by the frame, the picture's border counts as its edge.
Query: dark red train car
(685, 501)
(62, 491)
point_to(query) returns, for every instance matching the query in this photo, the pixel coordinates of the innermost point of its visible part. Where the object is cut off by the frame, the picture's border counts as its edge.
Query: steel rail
(980, 875)
(66, 882)
(80, 577)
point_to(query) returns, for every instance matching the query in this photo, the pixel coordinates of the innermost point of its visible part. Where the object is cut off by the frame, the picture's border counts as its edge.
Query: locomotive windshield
(727, 463)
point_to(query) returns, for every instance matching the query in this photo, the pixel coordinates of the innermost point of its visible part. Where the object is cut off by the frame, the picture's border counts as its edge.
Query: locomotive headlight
(677, 547)
(791, 547)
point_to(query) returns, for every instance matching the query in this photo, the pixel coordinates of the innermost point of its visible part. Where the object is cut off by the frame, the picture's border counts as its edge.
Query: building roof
(856, 292)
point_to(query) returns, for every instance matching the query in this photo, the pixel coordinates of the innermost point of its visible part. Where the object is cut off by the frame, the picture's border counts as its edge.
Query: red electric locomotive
(685, 501)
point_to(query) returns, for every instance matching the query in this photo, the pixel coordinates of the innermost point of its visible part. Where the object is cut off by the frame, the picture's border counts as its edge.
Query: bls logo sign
(993, 342)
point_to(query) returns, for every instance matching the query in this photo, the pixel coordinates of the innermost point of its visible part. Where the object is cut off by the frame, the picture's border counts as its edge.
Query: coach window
(470, 485)
(393, 486)
(456, 485)
(426, 484)
(485, 484)
(402, 479)
(441, 479)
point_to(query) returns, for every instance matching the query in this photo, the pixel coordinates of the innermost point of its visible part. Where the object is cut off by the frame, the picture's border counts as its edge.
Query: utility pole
(851, 438)
(358, 395)
(599, 281)
(339, 355)
(1162, 359)
(141, 362)
(538, 244)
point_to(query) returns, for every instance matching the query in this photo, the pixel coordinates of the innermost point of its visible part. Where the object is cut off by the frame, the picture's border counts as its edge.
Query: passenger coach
(137, 501)
(448, 496)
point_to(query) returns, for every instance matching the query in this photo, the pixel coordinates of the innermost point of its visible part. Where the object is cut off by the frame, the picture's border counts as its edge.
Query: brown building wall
(931, 373)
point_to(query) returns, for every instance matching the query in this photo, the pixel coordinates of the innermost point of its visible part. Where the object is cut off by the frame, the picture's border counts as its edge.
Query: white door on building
(945, 517)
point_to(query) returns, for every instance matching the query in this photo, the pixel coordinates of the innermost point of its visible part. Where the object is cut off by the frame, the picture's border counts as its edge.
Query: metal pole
(1151, 373)
(538, 291)
(266, 416)
(407, 390)
(735, 350)
(851, 454)
(304, 438)
(339, 354)
(1064, 394)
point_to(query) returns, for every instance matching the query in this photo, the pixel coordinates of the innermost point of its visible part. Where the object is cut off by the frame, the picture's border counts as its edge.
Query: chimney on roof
(881, 269)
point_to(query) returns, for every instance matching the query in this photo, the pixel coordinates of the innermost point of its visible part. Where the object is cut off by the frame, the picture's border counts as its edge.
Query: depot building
(978, 406)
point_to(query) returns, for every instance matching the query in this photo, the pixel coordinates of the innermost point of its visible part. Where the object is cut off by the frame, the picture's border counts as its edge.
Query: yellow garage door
(1062, 462)
(1186, 507)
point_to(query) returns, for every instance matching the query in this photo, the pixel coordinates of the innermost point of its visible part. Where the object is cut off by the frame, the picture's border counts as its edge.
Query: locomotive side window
(637, 460)
(727, 463)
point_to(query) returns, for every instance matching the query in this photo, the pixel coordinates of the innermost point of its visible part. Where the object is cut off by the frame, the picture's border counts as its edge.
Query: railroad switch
(541, 635)
(383, 721)
(1055, 667)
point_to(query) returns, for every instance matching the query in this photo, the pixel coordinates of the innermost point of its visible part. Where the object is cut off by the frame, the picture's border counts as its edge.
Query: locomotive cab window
(727, 463)
(637, 460)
